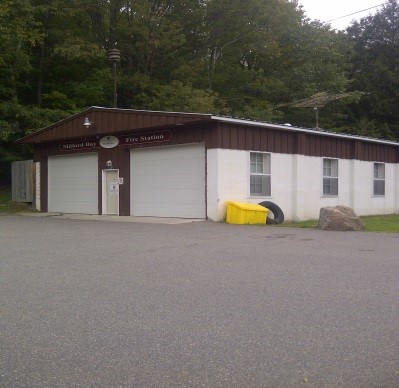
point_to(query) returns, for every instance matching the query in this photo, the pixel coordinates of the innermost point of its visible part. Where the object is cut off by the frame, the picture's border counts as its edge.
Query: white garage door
(168, 181)
(73, 184)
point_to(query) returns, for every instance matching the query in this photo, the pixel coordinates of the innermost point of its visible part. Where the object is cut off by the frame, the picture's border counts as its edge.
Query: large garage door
(73, 184)
(168, 181)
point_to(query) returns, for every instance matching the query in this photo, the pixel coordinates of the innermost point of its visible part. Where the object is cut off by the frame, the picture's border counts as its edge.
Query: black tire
(278, 214)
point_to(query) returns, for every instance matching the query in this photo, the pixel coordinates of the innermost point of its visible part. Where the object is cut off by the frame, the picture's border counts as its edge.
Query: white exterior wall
(365, 202)
(309, 188)
(296, 183)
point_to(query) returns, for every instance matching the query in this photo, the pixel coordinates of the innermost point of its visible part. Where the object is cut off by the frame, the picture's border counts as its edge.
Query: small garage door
(168, 181)
(73, 184)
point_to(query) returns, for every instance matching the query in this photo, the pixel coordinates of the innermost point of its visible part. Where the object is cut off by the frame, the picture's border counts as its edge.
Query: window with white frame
(330, 176)
(260, 182)
(379, 179)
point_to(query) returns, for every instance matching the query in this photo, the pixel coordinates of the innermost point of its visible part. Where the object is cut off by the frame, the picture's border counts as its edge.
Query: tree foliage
(376, 70)
(252, 59)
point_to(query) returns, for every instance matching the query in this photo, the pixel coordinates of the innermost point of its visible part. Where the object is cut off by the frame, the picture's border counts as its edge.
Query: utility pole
(316, 109)
(114, 56)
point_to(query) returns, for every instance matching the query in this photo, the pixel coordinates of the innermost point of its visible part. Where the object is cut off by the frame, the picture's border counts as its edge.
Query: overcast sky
(325, 10)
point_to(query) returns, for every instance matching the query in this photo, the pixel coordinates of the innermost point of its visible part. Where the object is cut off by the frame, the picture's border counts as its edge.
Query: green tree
(67, 53)
(248, 59)
(179, 97)
(376, 70)
(18, 35)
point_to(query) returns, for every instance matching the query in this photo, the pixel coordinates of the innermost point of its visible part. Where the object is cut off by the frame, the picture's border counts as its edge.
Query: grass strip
(9, 206)
(387, 223)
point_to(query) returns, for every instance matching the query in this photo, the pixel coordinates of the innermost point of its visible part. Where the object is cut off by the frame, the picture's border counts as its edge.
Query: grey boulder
(339, 218)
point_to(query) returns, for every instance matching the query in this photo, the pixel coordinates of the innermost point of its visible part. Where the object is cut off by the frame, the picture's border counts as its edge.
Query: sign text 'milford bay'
(81, 145)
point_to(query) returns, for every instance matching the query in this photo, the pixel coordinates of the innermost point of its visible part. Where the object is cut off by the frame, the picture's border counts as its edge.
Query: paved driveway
(91, 303)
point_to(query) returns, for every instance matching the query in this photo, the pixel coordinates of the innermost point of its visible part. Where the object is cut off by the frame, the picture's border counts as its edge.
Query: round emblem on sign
(109, 141)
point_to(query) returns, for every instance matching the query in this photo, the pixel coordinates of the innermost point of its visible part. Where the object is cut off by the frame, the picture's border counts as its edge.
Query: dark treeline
(256, 59)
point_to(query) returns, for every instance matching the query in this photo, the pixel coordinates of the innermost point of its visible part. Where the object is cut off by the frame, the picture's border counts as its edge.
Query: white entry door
(110, 192)
(73, 183)
(168, 181)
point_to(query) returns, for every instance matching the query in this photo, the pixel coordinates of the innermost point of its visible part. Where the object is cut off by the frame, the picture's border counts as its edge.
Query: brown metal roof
(114, 120)
(111, 120)
(290, 128)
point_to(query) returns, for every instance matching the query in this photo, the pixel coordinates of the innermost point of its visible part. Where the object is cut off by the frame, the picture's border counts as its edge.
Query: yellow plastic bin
(245, 213)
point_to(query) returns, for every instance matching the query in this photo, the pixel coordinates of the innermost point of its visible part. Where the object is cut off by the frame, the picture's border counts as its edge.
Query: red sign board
(157, 137)
(125, 140)
(78, 145)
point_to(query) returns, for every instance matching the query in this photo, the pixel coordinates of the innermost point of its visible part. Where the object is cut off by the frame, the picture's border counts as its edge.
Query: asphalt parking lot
(101, 304)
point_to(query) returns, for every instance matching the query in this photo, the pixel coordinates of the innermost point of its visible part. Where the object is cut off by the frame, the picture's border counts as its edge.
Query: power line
(354, 13)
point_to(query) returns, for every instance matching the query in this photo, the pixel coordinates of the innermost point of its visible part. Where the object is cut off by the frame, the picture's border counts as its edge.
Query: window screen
(330, 176)
(260, 180)
(379, 179)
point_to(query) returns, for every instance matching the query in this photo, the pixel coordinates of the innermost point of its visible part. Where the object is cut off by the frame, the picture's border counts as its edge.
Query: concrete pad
(115, 218)
(39, 215)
